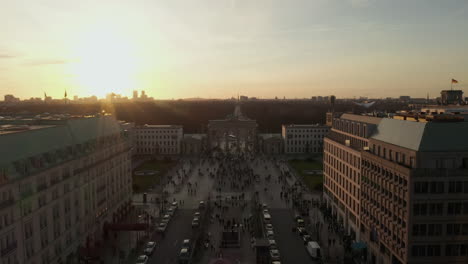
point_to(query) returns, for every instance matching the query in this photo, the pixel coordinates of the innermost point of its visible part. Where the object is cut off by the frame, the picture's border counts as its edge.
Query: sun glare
(105, 63)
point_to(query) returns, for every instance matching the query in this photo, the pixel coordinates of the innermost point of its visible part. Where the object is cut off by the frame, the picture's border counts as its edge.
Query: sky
(221, 48)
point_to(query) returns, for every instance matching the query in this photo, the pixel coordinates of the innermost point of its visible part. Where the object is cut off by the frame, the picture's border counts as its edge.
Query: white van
(314, 250)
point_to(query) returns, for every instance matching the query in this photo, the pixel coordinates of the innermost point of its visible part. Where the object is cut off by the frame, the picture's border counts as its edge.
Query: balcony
(26, 193)
(7, 203)
(9, 248)
(41, 187)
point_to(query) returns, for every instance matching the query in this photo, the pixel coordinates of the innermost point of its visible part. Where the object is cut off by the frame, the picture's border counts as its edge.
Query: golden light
(106, 62)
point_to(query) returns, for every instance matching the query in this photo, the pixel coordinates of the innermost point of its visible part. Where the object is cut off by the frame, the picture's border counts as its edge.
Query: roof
(195, 136)
(17, 146)
(268, 136)
(305, 126)
(430, 136)
(160, 126)
(362, 118)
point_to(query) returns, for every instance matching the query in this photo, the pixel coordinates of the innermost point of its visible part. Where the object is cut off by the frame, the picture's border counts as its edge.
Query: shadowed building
(60, 182)
(235, 133)
(400, 186)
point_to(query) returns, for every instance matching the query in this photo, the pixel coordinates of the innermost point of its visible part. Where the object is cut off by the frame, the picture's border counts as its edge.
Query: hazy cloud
(360, 3)
(45, 62)
(7, 56)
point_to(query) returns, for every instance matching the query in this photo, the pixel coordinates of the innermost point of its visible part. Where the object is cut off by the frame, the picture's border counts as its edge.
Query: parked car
(195, 222)
(201, 205)
(313, 248)
(143, 259)
(197, 214)
(170, 211)
(149, 249)
(267, 218)
(269, 227)
(175, 205)
(186, 243)
(300, 222)
(274, 254)
(270, 234)
(272, 244)
(184, 254)
(161, 227)
(166, 218)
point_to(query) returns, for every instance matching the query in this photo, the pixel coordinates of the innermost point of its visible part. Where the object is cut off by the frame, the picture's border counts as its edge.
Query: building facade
(158, 139)
(271, 144)
(399, 186)
(60, 182)
(300, 139)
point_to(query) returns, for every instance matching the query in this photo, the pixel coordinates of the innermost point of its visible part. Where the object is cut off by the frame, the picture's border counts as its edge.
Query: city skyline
(219, 49)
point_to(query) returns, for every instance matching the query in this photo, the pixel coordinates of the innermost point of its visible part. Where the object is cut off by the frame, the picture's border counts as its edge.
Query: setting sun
(105, 63)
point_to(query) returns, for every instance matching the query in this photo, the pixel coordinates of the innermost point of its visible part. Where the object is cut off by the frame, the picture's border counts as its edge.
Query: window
(434, 230)
(419, 230)
(455, 187)
(436, 208)
(420, 187)
(454, 208)
(418, 251)
(420, 209)
(433, 250)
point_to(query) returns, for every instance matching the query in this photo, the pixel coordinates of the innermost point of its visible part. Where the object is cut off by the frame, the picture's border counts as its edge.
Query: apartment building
(60, 182)
(303, 138)
(405, 183)
(158, 139)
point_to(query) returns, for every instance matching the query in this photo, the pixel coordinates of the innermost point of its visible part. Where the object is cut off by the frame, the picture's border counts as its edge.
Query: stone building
(158, 139)
(400, 186)
(60, 182)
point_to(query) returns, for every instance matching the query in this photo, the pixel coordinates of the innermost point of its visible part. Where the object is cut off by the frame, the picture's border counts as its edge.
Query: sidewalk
(332, 252)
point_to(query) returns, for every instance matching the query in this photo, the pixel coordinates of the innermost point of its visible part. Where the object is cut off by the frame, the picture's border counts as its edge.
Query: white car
(272, 244)
(186, 243)
(195, 222)
(170, 211)
(161, 227)
(270, 235)
(149, 249)
(166, 218)
(274, 254)
(143, 259)
(184, 254)
(175, 205)
(269, 227)
(197, 214)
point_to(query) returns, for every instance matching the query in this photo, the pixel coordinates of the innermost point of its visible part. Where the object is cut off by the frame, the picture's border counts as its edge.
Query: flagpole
(451, 84)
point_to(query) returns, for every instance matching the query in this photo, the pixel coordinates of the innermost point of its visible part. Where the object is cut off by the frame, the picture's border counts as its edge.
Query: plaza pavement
(281, 210)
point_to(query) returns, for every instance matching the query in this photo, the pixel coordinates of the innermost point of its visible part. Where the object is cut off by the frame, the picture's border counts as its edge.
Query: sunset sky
(219, 48)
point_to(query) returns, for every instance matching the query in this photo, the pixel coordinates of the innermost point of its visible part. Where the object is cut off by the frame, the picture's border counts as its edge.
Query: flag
(454, 81)
(45, 95)
(65, 93)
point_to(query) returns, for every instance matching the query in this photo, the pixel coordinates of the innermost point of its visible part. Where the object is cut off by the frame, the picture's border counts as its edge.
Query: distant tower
(135, 94)
(331, 114)
(332, 103)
